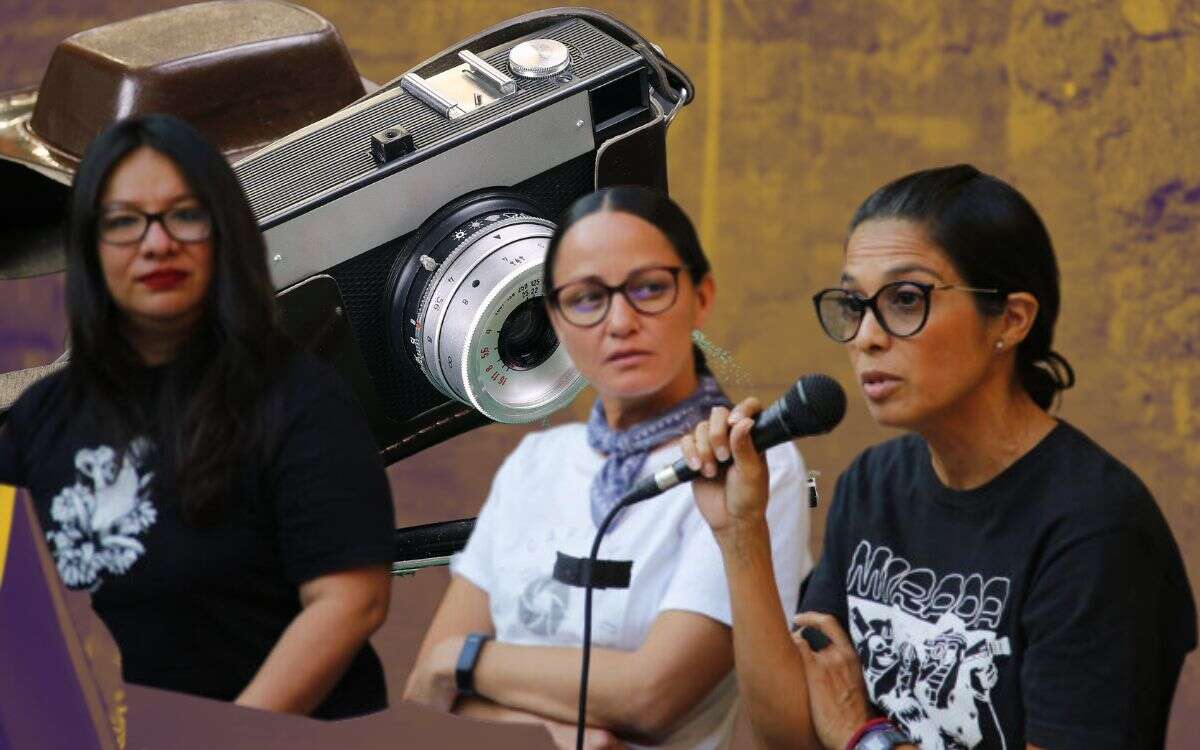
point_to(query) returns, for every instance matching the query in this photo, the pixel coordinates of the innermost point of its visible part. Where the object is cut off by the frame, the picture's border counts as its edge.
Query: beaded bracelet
(867, 727)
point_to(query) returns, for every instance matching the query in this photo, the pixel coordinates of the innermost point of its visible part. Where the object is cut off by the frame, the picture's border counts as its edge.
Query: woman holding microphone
(993, 578)
(628, 284)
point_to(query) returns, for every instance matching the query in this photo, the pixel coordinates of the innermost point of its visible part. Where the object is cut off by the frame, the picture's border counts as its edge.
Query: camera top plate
(332, 157)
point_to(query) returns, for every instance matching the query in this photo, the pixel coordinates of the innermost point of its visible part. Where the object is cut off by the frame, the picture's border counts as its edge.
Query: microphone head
(816, 405)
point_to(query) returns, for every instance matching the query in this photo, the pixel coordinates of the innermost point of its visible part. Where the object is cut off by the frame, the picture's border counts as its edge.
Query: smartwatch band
(464, 671)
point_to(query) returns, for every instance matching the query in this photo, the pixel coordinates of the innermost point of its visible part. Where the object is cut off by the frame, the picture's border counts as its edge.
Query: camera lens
(526, 338)
(478, 328)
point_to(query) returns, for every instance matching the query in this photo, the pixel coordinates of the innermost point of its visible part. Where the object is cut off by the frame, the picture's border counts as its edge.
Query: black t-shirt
(1048, 606)
(197, 610)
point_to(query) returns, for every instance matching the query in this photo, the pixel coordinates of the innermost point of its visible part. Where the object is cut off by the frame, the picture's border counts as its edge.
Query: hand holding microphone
(724, 441)
(816, 404)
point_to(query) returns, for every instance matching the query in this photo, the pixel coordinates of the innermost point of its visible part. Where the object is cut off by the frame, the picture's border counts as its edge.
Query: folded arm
(638, 694)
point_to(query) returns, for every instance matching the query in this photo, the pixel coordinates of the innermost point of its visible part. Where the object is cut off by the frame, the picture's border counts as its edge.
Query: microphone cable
(628, 499)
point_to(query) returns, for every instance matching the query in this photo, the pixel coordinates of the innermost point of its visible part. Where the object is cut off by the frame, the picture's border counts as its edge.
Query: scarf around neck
(626, 450)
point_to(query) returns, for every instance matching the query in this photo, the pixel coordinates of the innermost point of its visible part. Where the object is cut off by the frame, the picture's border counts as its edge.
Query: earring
(999, 345)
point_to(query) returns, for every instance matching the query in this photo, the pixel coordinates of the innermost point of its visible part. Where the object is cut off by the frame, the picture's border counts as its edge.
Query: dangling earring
(720, 361)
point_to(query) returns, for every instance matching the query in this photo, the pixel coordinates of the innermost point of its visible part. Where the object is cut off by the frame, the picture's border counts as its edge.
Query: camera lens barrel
(479, 330)
(526, 338)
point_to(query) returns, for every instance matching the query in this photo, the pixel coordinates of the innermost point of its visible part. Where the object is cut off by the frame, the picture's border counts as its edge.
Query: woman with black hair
(217, 492)
(628, 283)
(993, 579)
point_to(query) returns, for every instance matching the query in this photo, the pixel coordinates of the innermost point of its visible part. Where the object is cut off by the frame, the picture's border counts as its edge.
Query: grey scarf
(627, 450)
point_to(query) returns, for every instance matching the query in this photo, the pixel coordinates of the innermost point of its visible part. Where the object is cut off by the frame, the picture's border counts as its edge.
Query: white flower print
(101, 515)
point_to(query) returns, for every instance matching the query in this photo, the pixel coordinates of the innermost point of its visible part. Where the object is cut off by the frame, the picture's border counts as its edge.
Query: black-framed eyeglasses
(584, 303)
(901, 308)
(125, 226)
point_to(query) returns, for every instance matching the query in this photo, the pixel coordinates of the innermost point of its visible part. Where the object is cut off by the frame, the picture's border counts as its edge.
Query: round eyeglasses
(901, 308)
(125, 226)
(584, 303)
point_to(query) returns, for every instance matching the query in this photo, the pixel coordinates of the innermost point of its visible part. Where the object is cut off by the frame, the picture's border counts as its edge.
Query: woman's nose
(871, 335)
(622, 318)
(157, 240)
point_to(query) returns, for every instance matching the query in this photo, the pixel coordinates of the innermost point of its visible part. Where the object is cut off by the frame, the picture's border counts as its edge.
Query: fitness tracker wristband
(464, 671)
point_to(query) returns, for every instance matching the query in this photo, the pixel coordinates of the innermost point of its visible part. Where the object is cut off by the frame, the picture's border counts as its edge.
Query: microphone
(815, 405)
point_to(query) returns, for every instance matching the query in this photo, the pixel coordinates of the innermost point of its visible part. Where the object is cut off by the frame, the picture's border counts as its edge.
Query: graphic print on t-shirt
(928, 646)
(100, 516)
(543, 605)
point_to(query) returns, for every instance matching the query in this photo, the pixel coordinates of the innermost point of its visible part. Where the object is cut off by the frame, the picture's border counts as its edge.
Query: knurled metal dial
(539, 58)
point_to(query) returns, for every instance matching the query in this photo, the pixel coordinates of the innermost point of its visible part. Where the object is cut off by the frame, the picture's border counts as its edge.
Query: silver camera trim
(463, 306)
(396, 205)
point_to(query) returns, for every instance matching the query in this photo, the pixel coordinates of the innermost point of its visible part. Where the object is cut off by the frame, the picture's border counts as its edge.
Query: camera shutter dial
(539, 58)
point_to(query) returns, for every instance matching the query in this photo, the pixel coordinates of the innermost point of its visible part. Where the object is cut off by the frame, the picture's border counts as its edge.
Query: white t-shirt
(539, 505)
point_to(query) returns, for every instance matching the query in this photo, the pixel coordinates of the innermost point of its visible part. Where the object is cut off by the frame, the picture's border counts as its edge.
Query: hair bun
(1059, 368)
(1046, 376)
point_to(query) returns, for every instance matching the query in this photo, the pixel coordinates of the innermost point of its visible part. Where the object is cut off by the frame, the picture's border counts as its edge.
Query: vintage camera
(406, 232)
(406, 224)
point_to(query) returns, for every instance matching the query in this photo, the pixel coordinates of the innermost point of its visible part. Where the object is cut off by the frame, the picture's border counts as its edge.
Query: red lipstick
(163, 280)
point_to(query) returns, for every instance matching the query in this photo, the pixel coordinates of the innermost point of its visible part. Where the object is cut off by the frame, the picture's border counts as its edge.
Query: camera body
(406, 232)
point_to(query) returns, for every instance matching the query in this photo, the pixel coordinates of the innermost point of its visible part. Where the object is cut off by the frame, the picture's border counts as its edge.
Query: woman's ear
(706, 292)
(1020, 312)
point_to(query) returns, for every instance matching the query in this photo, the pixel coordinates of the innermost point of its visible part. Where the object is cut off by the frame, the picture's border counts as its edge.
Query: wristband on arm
(464, 671)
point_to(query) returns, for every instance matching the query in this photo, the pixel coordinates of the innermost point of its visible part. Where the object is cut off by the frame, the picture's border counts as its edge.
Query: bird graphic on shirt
(115, 488)
(101, 515)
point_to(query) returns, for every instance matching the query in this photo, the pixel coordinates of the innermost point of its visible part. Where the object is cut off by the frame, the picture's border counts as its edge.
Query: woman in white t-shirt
(628, 284)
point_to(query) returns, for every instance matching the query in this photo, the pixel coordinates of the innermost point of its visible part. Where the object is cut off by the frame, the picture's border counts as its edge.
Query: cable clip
(813, 497)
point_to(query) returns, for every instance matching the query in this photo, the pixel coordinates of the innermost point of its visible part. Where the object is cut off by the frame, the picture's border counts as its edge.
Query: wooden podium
(50, 698)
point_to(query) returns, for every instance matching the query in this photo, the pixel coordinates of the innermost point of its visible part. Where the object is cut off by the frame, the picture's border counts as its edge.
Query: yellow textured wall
(804, 107)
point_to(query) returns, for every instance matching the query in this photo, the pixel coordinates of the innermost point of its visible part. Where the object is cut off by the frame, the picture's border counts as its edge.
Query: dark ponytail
(656, 208)
(995, 239)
